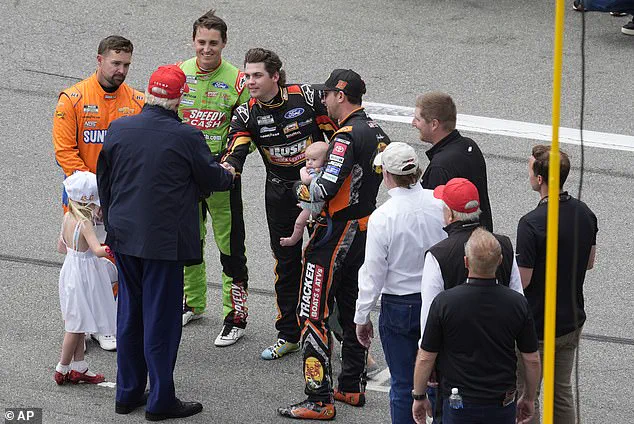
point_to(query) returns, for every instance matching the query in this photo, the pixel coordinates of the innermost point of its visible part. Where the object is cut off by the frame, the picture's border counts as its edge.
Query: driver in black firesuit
(349, 186)
(281, 120)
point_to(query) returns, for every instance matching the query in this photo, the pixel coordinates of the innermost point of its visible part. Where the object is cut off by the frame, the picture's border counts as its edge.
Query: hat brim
(324, 87)
(439, 192)
(378, 159)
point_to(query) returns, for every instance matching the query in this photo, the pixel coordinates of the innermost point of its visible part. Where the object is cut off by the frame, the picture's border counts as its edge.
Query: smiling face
(425, 129)
(208, 45)
(112, 67)
(332, 99)
(262, 86)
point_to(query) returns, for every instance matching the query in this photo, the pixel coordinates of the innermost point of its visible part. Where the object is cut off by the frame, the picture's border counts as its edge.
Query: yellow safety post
(552, 226)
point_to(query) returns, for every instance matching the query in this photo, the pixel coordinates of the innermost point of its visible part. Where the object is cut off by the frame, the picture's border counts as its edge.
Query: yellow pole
(552, 227)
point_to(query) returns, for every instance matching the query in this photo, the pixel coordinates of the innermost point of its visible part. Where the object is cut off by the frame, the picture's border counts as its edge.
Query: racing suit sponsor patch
(59, 114)
(311, 291)
(294, 113)
(313, 373)
(94, 136)
(267, 129)
(203, 119)
(335, 158)
(333, 169)
(238, 302)
(266, 120)
(190, 79)
(286, 154)
(220, 84)
(306, 122)
(90, 124)
(339, 149)
(293, 126)
(329, 177)
(91, 109)
(126, 110)
(243, 112)
(187, 102)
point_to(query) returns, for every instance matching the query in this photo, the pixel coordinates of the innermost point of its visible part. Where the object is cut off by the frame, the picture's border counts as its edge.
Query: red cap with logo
(459, 194)
(170, 78)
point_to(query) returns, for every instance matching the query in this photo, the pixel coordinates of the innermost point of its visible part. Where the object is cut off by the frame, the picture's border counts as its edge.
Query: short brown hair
(116, 43)
(210, 21)
(439, 106)
(272, 62)
(541, 153)
(407, 180)
(483, 251)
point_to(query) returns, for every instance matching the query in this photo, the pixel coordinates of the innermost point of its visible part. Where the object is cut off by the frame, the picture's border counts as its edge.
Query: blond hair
(440, 106)
(80, 211)
(484, 252)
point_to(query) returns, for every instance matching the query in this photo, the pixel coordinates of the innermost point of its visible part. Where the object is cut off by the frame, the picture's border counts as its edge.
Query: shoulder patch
(73, 94)
(293, 89)
(309, 94)
(241, 81)
(243, 112)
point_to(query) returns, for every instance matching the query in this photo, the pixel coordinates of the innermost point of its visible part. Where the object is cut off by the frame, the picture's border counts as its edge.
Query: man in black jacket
(451, 154)
(151, 172)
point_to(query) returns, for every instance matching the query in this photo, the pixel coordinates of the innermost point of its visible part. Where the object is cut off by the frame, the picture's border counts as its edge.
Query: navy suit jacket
(151, 173)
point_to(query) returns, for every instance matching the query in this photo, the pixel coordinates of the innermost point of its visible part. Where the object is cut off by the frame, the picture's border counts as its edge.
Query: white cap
(82, 187)
(398, 159)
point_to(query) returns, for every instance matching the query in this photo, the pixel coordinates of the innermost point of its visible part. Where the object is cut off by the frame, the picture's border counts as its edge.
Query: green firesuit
(208, 106)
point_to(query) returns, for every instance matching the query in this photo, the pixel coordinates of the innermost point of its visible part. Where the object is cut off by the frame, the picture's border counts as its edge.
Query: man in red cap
(444, 266)
(151, 172)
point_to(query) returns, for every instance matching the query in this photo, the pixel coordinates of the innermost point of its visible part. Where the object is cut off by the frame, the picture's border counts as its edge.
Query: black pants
(330, 272)
(281, 213)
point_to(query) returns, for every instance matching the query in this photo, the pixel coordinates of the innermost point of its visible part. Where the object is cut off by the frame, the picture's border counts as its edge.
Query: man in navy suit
(152, 171)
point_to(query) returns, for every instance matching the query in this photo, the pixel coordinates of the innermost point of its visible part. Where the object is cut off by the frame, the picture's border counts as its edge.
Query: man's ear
(466, 262)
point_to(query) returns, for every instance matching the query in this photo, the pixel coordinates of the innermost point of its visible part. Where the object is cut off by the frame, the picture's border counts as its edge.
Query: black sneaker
(628, 28)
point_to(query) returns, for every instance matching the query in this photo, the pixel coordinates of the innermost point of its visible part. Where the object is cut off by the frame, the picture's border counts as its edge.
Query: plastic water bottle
(455, 400)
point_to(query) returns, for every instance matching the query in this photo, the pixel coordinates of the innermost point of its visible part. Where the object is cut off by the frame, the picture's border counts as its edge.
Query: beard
(115, 81)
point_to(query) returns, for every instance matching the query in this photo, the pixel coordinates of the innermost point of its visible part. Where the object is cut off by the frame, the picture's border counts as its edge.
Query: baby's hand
(287, 241)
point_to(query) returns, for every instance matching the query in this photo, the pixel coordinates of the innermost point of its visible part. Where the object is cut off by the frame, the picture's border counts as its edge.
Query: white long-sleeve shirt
(399, 233)
(432, 284)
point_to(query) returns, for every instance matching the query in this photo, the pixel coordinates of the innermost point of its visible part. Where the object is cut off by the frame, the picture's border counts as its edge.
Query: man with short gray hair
(471, 334)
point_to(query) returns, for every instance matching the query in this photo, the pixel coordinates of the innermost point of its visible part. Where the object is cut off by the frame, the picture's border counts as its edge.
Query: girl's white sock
(79, 366)
(61, 368)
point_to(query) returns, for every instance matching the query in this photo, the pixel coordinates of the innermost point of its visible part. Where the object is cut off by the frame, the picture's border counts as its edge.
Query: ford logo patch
(294, 113)
(220, 84)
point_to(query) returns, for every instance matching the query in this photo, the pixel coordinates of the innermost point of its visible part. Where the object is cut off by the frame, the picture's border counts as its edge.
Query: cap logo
(341, 85)
(471, 204)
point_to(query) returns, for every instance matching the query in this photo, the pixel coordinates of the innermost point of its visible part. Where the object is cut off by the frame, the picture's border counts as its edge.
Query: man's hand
(365, 334)
(421, 409)
(229, 168)
(525, 410)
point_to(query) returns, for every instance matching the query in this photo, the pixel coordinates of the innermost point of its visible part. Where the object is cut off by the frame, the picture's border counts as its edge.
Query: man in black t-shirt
(451, 154)
(472, 330)
(577, 236)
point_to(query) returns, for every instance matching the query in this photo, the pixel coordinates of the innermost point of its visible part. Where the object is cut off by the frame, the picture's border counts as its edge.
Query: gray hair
(169, 104)
(463, 216)
(483, 251)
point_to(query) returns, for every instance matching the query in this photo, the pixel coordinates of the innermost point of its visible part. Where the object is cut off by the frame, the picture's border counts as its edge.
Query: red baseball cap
(459, 194)
(170, 78)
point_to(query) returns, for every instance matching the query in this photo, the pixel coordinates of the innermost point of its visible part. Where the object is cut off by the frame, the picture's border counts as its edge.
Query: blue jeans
(399, 327)
(475, 413)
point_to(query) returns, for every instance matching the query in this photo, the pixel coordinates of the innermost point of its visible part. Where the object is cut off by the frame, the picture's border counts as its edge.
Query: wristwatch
(416, 396)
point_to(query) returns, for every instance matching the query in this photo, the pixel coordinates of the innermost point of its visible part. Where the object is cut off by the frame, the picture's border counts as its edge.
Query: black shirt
(531, 253)
(456, 156)
(474, 328)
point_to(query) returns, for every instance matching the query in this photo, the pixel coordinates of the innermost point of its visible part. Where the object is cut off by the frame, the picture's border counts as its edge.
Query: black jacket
(456, 156)
(450, 254)
(349, 183)
(151, 172)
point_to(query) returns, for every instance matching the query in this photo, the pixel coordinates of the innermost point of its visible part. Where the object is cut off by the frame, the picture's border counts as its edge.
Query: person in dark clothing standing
(471, 334)
(451, 154)
(152, 171)
(577, 236)
(335, 252)
(281, 121)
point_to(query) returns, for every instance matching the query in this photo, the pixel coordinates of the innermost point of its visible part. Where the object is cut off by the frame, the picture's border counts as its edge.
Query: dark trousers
(281, 213)
(399, 327)
(475, 413)
(148, 330)
(331, 272)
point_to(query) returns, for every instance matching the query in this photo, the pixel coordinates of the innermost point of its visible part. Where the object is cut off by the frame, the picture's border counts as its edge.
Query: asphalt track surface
(495, 58)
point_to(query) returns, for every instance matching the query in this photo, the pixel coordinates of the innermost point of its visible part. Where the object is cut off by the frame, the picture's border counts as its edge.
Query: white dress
(85, 291)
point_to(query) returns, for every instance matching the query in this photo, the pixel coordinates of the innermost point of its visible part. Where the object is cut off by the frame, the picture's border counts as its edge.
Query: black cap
(345, 80)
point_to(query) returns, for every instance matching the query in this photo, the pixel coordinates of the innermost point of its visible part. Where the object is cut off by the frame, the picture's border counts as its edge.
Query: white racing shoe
(229, 335)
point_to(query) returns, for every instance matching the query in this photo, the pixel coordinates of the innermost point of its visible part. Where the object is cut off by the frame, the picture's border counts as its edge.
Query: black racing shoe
(180, 410)
(628, 28)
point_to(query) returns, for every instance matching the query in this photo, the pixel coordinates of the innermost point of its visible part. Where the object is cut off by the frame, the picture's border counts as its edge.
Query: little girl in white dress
(85, 291)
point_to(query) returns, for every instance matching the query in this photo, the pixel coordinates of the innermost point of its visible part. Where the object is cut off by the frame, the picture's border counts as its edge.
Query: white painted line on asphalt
(518, 129)
(377, 383)
(107, 384)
